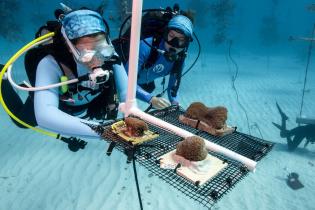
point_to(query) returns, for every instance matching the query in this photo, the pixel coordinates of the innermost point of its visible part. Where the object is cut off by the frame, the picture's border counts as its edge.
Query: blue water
(247, 63)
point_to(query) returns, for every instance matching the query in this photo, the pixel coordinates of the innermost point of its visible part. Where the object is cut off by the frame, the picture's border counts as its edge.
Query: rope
(234, 77)
(137, 182)
(306, 69)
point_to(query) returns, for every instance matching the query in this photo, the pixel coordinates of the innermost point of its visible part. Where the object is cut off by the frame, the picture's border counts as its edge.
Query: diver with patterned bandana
(81, 49)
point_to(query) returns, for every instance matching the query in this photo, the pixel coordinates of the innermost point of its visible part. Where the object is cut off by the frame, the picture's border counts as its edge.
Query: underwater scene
(192, 104)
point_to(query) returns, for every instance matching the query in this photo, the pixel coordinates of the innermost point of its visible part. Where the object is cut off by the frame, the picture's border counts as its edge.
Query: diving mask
(176, 43)
(176, 39)
(92, 58)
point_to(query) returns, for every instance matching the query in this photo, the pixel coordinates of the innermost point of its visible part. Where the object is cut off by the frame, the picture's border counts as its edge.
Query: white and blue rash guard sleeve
(121, 81)
(46, 103)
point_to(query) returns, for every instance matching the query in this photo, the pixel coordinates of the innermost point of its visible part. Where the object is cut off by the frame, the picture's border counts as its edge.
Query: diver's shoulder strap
(178, 64)
(177, 71)
(66, 70)
(35, 55)
(153, 53)
(31, 60)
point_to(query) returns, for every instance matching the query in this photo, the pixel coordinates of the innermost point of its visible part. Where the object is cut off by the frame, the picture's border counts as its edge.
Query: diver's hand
(159, 102)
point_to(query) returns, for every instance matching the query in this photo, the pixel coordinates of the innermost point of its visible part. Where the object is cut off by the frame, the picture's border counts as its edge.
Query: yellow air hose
(10, 62)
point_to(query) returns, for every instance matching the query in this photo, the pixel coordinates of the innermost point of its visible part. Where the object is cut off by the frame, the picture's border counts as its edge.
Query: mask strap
(74, 51)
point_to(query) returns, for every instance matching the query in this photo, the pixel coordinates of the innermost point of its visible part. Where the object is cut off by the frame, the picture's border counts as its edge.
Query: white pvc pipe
(130, 107)
(134, 53)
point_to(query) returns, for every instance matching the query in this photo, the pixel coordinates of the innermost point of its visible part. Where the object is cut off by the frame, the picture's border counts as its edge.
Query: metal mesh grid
(210, 192)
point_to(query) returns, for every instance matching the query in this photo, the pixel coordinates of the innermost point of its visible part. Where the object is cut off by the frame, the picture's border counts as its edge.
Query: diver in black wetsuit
(298, 133)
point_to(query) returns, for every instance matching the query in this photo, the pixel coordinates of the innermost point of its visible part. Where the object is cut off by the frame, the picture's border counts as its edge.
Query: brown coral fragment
(192, 148)
(135, 127)
(213, 116)
(196, 110)
(216, 117)
(209, 119)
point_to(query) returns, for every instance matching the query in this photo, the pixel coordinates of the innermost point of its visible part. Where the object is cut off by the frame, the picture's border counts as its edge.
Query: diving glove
(159, 103)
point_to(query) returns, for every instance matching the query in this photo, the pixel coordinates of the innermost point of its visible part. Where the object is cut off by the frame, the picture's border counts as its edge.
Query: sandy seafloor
(38, 172)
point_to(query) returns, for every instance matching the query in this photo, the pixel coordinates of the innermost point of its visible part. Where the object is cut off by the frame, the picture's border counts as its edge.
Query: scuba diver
(298, 133)
(162, 54)
(171, 53)
(81, 50)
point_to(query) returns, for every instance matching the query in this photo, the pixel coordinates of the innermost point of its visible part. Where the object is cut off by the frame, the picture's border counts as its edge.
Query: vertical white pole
(134, 53)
